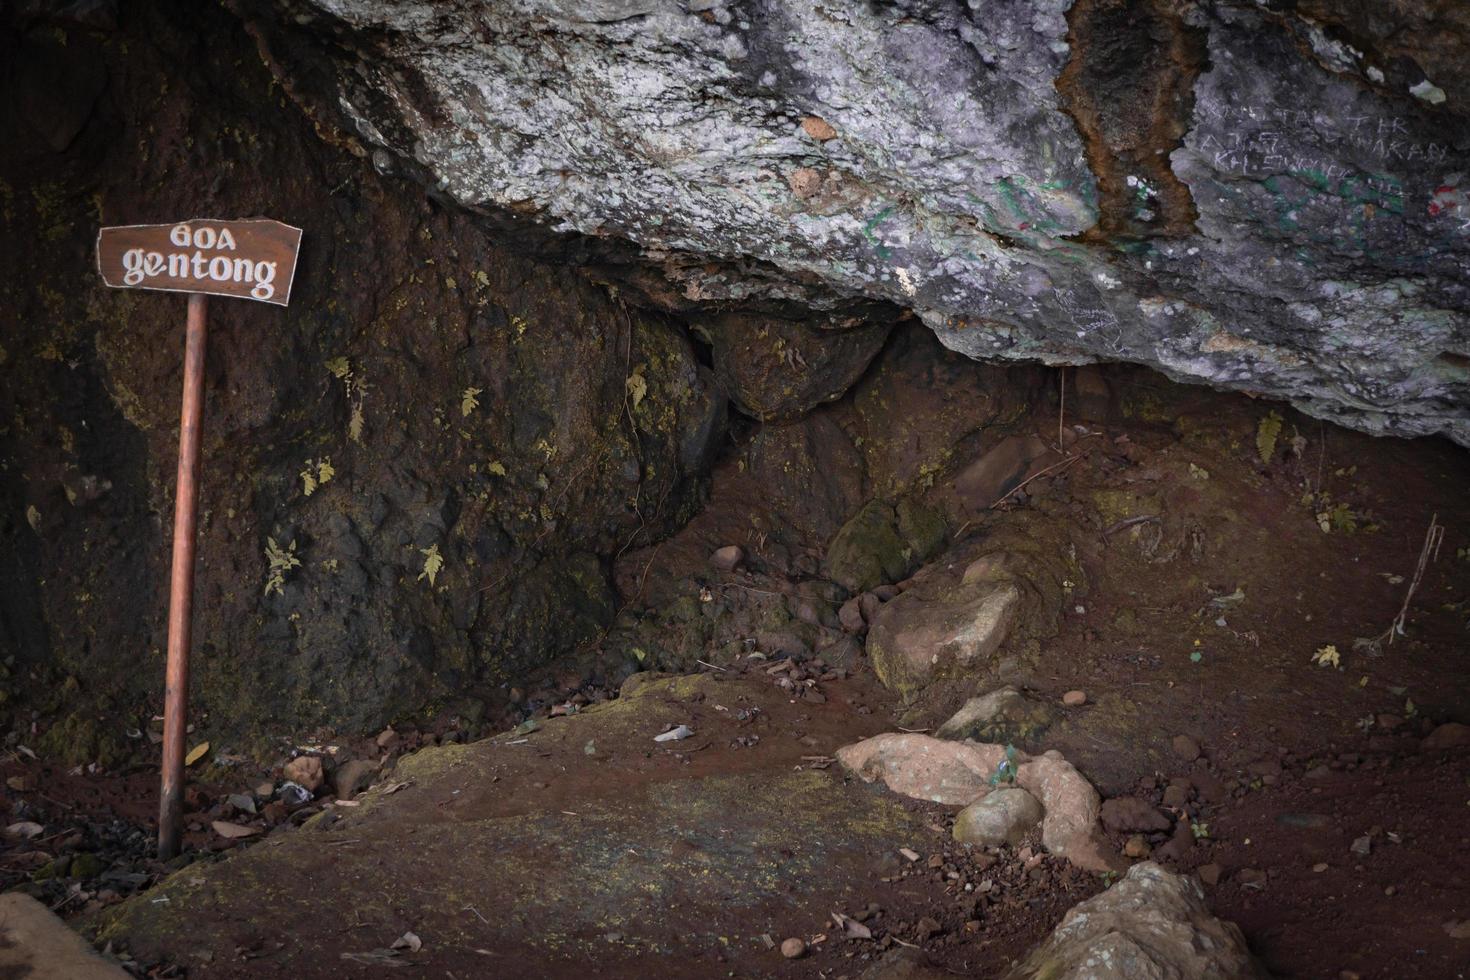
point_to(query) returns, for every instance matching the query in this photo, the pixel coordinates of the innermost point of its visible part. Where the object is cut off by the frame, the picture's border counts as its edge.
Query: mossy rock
(79, 739)
(922, 528)
(868, 550)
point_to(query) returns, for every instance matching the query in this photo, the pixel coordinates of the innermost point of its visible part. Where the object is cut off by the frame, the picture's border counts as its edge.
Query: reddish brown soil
(1262, 712)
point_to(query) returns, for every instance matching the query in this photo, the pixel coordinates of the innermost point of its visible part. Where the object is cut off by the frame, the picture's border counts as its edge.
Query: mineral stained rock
(1262, 196)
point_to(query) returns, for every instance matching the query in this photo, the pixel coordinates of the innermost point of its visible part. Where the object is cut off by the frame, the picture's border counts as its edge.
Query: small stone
(1176, 794)
(818, 129)
(1137, 847)
(1450, 735)
(307, 771)
(726, 559)
(1074, 699)
(387, 738)
(1186, 748)
(850, 616)
(1209, 874)
(1390, 891)
(1319, 867)
(1129, 814)
(1457, 930)
(1318, 772)
(1362, 846)
(265, 790)
(351, 777)
(793, 948)
(1002, 816)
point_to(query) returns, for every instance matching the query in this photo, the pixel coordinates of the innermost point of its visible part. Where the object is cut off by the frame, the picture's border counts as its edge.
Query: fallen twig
(1433, 537)
(1035, 476)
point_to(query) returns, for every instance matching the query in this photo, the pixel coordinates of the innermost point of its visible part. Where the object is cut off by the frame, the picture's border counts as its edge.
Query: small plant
(279, 561)
(637, 386)
(433, 562)
(1006, 771)
(1199, 829)
(316, 474)
(356, 387)
(1267, 432)
(1327, 657)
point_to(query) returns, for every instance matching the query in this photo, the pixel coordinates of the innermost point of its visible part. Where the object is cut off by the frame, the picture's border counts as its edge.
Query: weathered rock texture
(1264, 196)
(1153, 923)
(447, 396)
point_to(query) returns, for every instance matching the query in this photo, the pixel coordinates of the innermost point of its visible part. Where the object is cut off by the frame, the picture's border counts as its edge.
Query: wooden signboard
(252, 259)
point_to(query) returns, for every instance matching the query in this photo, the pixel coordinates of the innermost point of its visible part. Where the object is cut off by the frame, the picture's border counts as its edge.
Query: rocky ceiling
(1266, 196)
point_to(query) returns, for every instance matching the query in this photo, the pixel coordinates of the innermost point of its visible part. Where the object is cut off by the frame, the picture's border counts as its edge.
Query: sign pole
(181, 585)
(251, 258)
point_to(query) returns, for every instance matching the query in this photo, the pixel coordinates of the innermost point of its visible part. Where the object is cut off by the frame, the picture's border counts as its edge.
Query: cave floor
(586, 848)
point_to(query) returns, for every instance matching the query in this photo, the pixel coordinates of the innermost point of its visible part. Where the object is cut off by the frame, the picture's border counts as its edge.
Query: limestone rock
(1070, 828)
(1229, 171)
(1003, 715)
(36, 944)
(923, 767)
(911, 636)
(1002, 816)
(1153, 923)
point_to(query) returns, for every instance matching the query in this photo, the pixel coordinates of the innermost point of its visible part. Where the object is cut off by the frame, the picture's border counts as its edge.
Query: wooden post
(181, 586)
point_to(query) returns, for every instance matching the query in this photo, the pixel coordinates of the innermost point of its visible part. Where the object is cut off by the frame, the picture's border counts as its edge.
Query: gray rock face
(1247, 201)
(1153, 923)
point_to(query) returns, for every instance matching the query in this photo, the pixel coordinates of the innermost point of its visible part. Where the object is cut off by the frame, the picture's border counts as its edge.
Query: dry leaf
(24, 830)
(196, 753)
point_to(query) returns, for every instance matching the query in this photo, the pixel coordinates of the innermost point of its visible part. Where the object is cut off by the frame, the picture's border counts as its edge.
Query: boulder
(1070, 827)
(1151, 924)
(36, 944)
(1002, 816)
(924, 767)
(933, 624)
(959, 773)
(868, 550)
(1000, 470)
(1003, 715)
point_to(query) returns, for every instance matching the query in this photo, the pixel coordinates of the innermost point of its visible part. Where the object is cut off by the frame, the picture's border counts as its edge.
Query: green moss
(79, 739)
(868, 551)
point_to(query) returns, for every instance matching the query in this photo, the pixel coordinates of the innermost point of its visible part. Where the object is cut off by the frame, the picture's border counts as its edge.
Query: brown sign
(254, 259)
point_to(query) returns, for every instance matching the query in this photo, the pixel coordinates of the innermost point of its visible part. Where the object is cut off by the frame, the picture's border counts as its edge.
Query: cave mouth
(558, 598)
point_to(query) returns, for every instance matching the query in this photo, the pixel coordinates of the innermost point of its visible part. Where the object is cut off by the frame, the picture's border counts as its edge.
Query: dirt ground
(576, 844)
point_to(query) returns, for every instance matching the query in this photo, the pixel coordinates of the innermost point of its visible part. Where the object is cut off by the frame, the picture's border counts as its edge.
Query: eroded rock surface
(1230, 192)
(1153, 923)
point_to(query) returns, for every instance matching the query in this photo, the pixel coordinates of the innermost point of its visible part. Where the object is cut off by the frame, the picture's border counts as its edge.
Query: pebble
(1074, 699)
(793, 948)
(1186, 748)
(1362, 846)
(1209, 874)
(1137, 847)
(1320, 867)
(306, 770)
